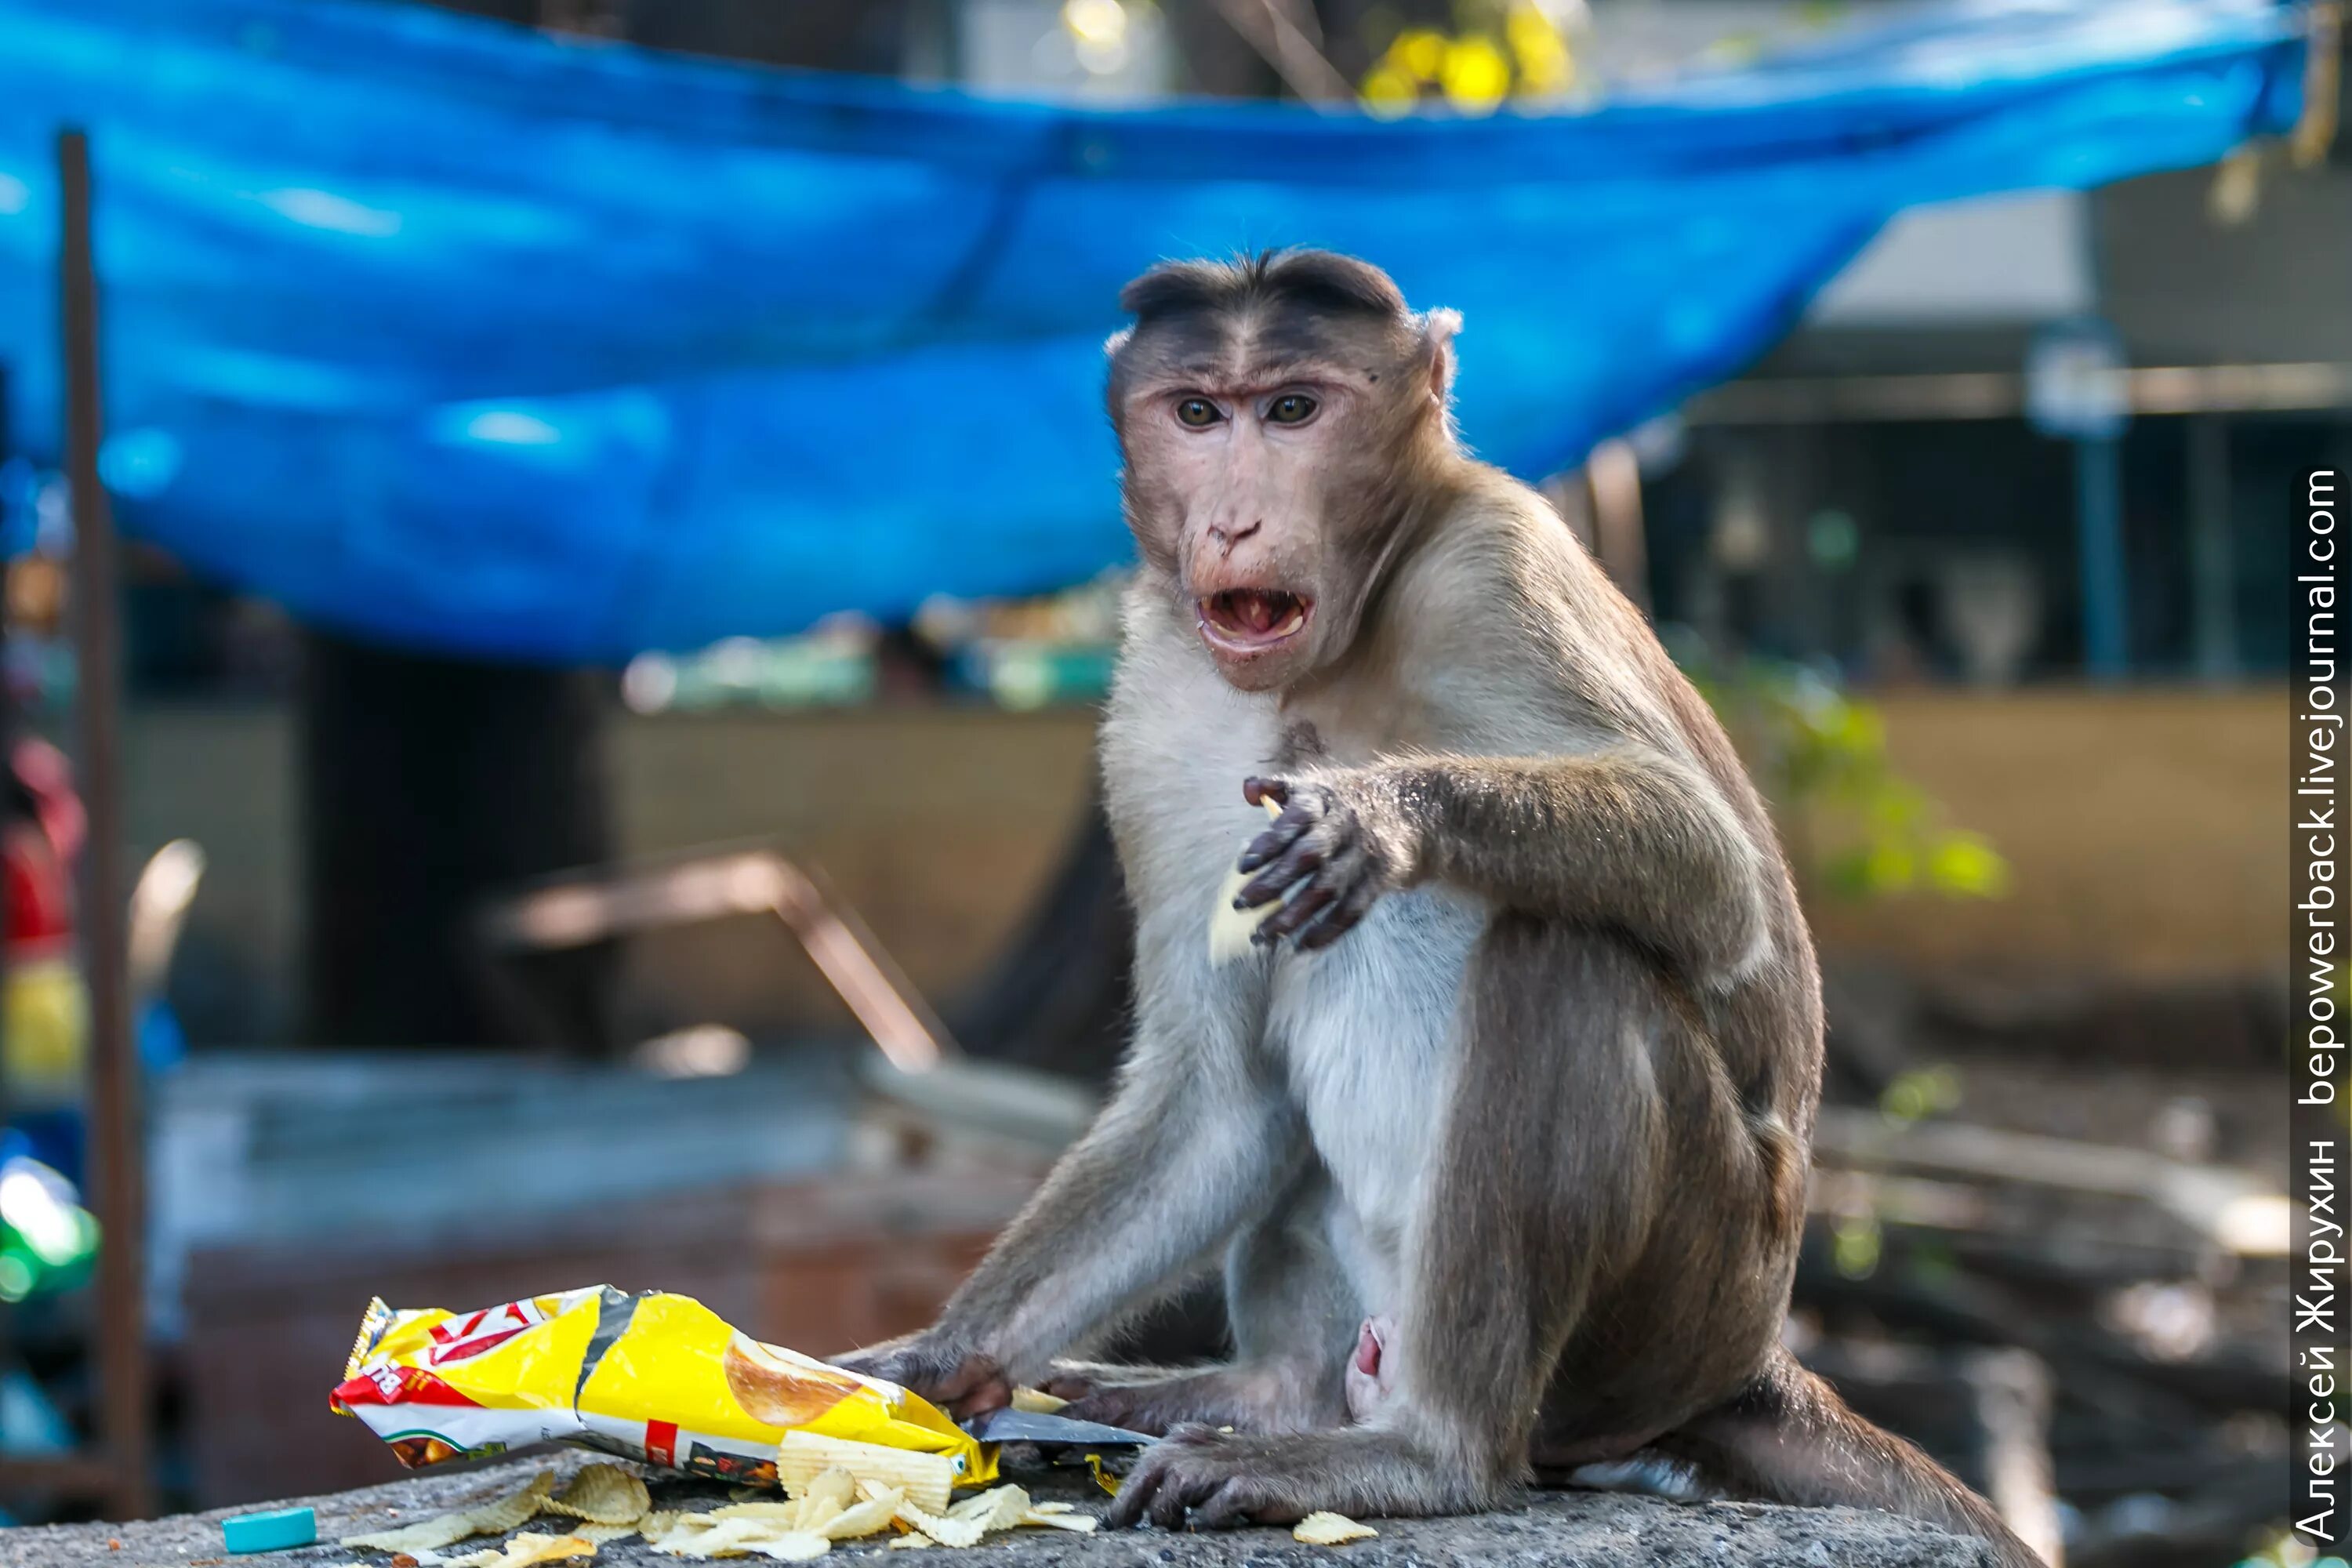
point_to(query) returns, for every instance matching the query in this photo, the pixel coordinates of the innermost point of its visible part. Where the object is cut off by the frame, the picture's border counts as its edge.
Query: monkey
(1500, 1131)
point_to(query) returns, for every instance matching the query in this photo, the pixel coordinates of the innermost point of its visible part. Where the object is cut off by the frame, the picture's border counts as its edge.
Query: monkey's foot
(1218, 1480)
(1250, 1399)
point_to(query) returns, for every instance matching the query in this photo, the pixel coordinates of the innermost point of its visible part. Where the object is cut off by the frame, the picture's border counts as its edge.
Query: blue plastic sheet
(466, 338)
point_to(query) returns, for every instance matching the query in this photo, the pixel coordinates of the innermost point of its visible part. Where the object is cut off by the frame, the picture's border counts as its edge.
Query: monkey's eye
(1290, 408)
(1198, 412)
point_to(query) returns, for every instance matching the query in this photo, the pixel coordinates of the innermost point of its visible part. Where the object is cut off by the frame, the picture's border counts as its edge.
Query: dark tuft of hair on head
(1320, 280)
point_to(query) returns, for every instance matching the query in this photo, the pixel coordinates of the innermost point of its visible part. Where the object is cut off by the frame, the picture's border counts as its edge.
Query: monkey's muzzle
(1253, 620)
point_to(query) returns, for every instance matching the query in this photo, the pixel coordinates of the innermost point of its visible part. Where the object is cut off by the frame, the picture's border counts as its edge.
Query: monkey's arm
(1188, 1144)
(1624, 836)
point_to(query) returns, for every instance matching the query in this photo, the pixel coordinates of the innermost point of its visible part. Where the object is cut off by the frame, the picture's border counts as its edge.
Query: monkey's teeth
(1292, 622)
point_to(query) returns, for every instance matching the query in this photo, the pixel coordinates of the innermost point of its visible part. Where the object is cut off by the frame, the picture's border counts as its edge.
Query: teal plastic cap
(271, 1532)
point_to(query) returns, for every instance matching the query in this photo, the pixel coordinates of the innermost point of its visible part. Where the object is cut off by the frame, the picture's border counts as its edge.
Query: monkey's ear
(1115, 341)
(1437, 330)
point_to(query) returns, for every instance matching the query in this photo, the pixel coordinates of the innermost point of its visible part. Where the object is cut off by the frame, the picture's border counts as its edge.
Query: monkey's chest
(1365, 1028)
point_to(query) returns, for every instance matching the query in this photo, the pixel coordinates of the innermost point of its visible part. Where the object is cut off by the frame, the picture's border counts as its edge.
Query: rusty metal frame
(590, 907)
(117, 1470)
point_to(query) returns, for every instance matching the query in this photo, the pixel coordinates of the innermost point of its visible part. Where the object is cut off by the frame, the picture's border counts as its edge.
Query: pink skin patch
(1370, 1375)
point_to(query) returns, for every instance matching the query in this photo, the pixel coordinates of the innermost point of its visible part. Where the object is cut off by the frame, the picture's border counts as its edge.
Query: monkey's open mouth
(1251, 620)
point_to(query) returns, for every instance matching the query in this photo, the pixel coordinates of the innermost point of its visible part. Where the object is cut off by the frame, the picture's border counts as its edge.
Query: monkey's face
(1239, 490)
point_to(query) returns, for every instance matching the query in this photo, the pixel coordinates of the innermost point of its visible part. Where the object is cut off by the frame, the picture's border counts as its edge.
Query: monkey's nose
(1227, 538)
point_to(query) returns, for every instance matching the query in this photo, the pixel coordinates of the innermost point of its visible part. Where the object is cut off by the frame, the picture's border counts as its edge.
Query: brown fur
(1577, 1191)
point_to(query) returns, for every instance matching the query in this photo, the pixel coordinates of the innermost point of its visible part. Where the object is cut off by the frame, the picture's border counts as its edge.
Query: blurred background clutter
(620, 558)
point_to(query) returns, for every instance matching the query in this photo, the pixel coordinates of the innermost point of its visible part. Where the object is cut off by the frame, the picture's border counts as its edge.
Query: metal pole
(2099, 517)
(119, 1186)
(2213, 575)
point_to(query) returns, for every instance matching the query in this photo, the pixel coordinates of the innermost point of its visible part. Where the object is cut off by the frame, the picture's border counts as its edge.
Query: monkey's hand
(963, 1381)
(1332, 848)
(1216, 1480)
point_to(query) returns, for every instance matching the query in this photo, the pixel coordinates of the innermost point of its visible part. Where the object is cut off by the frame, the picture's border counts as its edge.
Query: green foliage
(1857, 828)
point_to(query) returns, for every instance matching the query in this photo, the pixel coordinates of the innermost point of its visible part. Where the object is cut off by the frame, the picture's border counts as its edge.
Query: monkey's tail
(1788, 1437)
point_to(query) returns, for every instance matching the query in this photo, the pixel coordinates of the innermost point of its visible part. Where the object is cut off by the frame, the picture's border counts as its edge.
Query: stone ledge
(1549, 1529)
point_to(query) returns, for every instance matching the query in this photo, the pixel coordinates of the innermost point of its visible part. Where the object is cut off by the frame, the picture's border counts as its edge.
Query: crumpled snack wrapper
(654, 1377)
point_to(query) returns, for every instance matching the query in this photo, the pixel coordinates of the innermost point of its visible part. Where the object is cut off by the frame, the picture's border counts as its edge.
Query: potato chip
(655, 1525)
(999, 1508)
(928, 1478)
(602, 1534)
(862, 1519)
(1053, 1508)
(784, 1515)
(1083, 1523)
(528, 1547)
(943, 1531)
(501, 1514)
(1331, 1530)
(793, 1546)
(601, 1494)
(911, 1539)
(1036, 1401)
(495, 1517)
(833, 1485)
(733, 1537)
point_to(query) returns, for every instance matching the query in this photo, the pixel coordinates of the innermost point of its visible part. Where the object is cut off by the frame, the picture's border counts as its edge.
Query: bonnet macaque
(1501, 1131)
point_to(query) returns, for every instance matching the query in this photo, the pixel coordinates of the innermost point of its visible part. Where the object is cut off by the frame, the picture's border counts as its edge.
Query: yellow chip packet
(652, 1377)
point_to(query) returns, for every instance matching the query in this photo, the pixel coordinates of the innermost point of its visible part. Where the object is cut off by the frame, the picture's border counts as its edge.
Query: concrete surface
(1549, 1529)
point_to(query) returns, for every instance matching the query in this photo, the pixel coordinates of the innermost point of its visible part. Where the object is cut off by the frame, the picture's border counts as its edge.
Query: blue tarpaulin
(471, 338)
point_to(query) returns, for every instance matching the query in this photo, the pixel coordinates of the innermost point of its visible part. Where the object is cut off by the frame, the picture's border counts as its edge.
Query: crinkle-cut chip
(830, 1487)
(862, 1519)
(913, 1538)
(528, 1547)
(660, 1523)
(1053, 1508)
(943, 1531)
(501, 1514)
(928, 1478)
(998, 1508)
(602, 1533)
(1036, 1401)
(1331, 1530)
(425, 1535)
(793, 1546)
(495, 1517)
(1083, 1523)
(601, 1494)
(787, 1515)
(734, 1537)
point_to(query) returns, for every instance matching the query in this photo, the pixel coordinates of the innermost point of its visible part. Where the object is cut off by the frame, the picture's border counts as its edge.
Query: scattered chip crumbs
(1331, 1530)
(1036, 1401)
(601, 1494)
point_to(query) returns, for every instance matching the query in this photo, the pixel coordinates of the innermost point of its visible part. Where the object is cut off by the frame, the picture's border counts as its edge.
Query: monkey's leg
(1295, 1316)
(1190, 1145)
(1543, 1182)
(1788, 1437)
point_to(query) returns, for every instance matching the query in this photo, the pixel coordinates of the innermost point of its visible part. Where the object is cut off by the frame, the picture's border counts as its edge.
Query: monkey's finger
(1235, 1502)
(1300, 816)
(1302, 907)
(1343, 917)
(1135, 1491)
(1301, 860)
(1258, 791)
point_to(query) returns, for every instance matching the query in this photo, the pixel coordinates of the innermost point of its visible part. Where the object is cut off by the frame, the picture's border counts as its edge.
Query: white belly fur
(1366, 1029)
